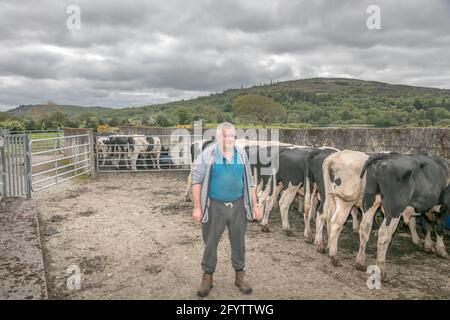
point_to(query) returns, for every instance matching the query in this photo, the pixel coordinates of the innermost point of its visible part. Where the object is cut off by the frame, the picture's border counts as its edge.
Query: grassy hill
(40, 111)
(324, 102)
(308, 102)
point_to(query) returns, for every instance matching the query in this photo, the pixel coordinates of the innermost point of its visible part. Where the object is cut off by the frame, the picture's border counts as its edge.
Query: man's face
(228, 138)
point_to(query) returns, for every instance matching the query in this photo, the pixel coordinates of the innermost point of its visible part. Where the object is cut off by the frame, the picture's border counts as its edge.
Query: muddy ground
(132, 237)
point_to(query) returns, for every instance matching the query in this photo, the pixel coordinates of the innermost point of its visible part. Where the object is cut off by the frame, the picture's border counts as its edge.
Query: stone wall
(430, 140)
(407, 140)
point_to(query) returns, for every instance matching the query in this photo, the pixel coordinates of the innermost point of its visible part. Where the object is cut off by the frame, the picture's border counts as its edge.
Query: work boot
(206, 285)
(242, 283)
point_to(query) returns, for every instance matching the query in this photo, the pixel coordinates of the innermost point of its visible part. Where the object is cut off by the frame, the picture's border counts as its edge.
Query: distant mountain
(39, 111)
(328, 102)
(315, 101)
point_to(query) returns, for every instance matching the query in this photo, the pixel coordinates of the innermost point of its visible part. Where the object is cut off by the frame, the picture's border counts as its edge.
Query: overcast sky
(129, 53)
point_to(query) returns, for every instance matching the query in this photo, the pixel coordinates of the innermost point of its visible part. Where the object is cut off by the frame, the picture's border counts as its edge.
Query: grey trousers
(234, 218)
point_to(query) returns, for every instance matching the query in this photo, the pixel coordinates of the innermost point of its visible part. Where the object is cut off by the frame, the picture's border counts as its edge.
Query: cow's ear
(407, 174)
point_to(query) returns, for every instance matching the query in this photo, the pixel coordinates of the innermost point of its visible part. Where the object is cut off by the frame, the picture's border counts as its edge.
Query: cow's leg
(259, 188)
(285, 202)
(154, 164)
(127, 157)
(410, 220)
(269, 206)
(99, 157)
(104, 156)
(262, 198)
(124, 158)
(188, 187)
(263, 201)
(301, 203)
(439, 228)
(336, 224)
(428, 246)
(307, 218)
(384, 238)
(119, 157)
(276, 204)
(328, 214)
(115, 157)
(158, 155)
(365, 228)
(255, 180)
(355, 224)
(318, 239)
(413, 229)
(427, 228)
(134, 157)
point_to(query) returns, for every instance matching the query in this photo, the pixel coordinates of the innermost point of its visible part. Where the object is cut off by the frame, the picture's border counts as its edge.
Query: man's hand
(256, 213)
(197, 214)
(255, 208)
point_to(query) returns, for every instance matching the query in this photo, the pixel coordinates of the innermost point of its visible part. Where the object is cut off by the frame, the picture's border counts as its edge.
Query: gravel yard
(132, 237)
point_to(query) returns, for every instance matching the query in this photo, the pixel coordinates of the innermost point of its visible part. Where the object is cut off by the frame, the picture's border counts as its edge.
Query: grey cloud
(143, 52)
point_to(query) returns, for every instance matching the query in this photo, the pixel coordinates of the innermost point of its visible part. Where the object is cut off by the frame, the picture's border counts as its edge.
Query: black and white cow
(404, 185)
(315, 194)
(289, 178)
(102, 146)
(153, 150)
(262, 157)
(196, 148)
(119, 146)
(344, 189)
(261, 154)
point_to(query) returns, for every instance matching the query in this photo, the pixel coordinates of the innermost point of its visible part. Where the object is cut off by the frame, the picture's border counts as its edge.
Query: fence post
(3, 159)
(91, 153)
(28, 173)
(58, 143)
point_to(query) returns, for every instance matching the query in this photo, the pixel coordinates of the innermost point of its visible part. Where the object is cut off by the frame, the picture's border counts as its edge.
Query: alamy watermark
(73, 21)
(373, 22)
(374, 279)
(73, 281)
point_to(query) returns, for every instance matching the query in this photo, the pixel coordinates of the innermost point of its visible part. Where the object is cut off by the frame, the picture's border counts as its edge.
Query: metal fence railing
(15, 164)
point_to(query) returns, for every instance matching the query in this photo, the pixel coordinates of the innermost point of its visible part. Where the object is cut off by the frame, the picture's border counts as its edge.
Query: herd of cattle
(333, 184)
(330, 185)
(131, 152)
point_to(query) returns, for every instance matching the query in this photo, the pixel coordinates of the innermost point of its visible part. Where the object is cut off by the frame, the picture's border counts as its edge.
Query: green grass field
(38, 146)
(44, 135)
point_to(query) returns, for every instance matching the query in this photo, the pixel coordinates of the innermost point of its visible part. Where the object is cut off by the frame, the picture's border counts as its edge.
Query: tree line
(293, 109)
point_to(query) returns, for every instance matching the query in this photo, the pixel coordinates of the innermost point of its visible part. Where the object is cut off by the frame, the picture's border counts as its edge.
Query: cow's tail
(274, 187)
(372, 158)
(308, 190)
(326, 215)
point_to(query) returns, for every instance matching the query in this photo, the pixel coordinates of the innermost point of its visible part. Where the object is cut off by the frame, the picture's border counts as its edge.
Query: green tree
(162, 121)
(114, 121)
(262, 108)
(3, 116)
(57, 119)
(13, 125)
(182, 115)
(88, 120)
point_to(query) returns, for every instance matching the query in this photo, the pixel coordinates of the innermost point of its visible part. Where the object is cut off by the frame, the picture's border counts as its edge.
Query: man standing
(223, 195)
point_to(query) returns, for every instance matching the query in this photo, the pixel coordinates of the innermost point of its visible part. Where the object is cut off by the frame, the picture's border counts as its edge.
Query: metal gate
(30, 165)
(58, 159)
(15, 166)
